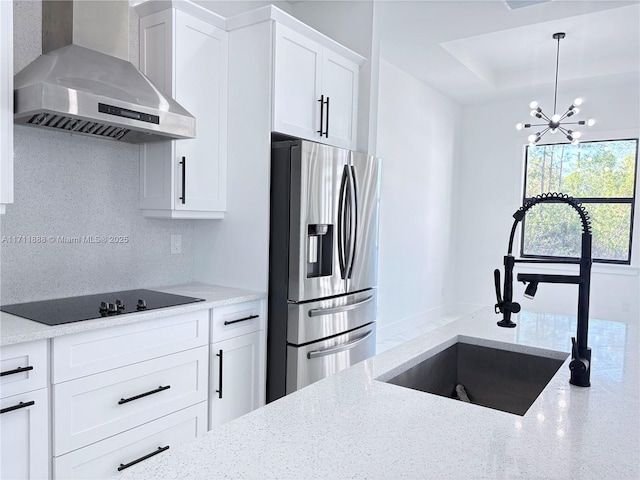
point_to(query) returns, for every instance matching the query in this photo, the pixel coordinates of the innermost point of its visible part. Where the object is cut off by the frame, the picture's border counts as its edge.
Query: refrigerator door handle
(341, 227)
(340, 348)
(317, 312)
(353, 224)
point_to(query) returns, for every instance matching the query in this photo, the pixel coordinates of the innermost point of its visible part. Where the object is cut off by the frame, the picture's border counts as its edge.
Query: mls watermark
(63, 239)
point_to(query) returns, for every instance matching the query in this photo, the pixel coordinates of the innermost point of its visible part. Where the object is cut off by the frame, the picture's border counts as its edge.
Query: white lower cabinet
(24, 411)
(89, 409)
(24, 432)
(114, 454)
(237, 377)
(123, 393)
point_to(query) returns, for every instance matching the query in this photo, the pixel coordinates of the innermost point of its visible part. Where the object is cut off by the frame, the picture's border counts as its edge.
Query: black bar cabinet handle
(131, 399)
(17, 370)
(321, 114)
(141, 459)
(219, 391)
(17, 407)
(326, 132)
(183, 198)
(250, 317)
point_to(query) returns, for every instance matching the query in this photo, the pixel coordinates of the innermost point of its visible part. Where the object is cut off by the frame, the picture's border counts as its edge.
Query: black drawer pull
(250, 317)
(17, 407)
(219, 391)
(142, 459)
(17, 370)
(131, 399)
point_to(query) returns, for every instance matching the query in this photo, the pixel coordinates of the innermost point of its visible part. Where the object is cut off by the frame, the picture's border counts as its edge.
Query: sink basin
(492, 377)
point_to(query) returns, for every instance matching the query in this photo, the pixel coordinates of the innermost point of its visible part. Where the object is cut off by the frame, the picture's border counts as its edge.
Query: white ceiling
(476, 51)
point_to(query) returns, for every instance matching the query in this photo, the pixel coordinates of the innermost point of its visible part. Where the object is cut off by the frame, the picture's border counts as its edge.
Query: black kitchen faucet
(580, 365)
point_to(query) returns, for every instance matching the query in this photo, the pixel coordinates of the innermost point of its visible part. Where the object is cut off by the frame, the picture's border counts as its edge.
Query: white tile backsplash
(69, 185)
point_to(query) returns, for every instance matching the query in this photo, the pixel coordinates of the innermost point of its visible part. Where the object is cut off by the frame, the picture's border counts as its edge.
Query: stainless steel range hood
(76, 89)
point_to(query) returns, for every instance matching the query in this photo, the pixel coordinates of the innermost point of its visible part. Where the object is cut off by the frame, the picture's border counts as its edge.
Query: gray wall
(72, 186)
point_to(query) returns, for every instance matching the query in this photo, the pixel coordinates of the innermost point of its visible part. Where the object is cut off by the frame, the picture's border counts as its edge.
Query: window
(600, 175)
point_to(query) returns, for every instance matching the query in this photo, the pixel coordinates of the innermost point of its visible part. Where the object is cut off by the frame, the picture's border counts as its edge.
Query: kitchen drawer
(92, 408)
(23, 367)
(24, 436)
(237, 319)
(102, 459)
(96, 351)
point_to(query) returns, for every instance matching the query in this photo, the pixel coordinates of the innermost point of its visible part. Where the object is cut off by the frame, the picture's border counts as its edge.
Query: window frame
(586, 201)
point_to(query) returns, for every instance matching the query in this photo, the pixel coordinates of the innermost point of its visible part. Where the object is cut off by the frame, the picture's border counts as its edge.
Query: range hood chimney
(83, 82)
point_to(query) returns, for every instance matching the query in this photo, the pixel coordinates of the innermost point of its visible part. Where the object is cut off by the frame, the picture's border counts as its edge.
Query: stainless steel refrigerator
(322, 262)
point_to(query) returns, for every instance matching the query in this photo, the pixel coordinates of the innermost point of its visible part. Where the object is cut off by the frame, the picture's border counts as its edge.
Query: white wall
(417, 141)
(490, 190)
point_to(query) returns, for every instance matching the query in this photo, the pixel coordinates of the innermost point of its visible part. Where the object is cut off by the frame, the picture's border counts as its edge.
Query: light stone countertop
(352, 425)
(14, 329)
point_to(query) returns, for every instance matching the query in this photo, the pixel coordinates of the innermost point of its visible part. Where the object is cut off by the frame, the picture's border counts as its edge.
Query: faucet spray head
(531, 290)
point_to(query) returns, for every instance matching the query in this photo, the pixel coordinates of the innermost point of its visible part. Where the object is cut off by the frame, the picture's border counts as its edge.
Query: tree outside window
(600, 175)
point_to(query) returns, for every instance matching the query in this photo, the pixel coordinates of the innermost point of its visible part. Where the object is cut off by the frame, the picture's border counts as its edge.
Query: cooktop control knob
(112, 308)
(119, 304)
(142, 305)
(103, 306)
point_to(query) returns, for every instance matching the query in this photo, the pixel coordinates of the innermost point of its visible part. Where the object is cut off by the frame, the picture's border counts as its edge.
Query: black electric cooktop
(89, 307)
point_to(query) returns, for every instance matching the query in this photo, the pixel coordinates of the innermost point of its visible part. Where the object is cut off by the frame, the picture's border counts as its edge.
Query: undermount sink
(492, 377)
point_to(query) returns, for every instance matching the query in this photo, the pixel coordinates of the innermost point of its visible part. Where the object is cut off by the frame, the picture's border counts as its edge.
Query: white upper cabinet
(187, 58)
(298, 62)
(315, 90)
(6, 104)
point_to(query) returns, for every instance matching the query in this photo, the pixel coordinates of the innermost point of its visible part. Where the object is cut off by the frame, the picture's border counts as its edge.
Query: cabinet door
(94, 351)
(106, 458)
(296, 106)
(89, 409)
(187, 59)
(340, 88)
(238, 386)
(24, 436)
(6, 105)
(23, 367)
(201, 52)
(237, 319)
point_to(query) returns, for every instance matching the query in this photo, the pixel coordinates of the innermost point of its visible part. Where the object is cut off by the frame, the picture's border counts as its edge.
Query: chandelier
(556, 122)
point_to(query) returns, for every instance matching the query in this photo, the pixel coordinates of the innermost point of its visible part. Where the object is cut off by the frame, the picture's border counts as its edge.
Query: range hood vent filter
(78, 126)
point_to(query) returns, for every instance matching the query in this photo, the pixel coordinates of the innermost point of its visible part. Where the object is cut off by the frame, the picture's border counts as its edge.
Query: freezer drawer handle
(250, 317)
(339, 348)
(131, 399)
(17, 370)
(17, 407)
(142, 459)
(316, 312)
